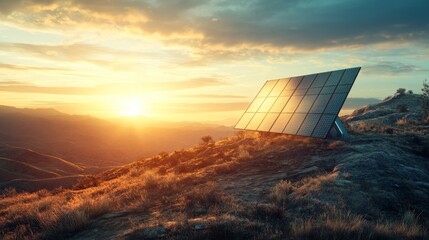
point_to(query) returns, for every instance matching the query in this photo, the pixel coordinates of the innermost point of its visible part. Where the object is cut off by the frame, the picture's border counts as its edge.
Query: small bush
(401, 91)
(207, 140)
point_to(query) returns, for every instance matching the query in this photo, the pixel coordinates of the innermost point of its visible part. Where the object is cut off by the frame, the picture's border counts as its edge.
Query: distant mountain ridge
(89, 141)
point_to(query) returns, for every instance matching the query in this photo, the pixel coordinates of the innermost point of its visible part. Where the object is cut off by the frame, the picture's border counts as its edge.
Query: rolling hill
(25, 169)
(249, 185)
(93, 142)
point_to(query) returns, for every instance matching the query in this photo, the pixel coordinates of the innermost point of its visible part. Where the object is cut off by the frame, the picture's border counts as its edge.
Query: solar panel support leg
(338, 131)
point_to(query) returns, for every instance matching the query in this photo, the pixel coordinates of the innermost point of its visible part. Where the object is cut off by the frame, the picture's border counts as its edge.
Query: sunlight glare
(131, 107)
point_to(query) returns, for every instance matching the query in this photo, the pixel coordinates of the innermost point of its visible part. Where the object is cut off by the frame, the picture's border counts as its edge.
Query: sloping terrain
(250, 185)
(375, 186)
(25, 169)
(93, 142)
(398, 113)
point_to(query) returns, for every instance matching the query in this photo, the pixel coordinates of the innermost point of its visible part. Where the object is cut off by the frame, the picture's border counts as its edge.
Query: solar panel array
(303, 105)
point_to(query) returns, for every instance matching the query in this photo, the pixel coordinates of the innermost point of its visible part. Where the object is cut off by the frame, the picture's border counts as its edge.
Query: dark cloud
(299, 25)
(391, 68)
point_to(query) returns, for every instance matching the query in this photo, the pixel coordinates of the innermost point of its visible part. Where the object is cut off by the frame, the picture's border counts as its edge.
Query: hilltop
(249, 185)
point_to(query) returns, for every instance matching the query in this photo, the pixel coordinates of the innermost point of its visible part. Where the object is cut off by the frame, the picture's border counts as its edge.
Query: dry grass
(280, 194)
(176, 192)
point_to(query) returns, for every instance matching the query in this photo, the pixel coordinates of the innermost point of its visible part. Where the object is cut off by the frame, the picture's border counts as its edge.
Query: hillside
(93, 142)
(399, 113)
(249, 185)
(25, 169)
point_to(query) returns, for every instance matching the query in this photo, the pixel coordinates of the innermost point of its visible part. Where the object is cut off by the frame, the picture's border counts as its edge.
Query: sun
(131, 107)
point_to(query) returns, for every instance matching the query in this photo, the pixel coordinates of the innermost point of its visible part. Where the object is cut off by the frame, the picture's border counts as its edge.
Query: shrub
(425, 99)
(206, 140)
(410, 92)
(400, 91)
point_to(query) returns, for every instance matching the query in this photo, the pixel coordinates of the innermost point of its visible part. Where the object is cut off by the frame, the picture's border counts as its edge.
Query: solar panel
(303, 105)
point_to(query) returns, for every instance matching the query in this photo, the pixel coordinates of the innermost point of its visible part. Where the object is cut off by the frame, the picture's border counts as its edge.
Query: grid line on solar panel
(309, 124)
(323, 125)
(294, 123)
(281, 84)
(268, 121)
(281, 122)
(293, 83)
(349, 76)
(321, 79)
(334, 78)
(307, 81)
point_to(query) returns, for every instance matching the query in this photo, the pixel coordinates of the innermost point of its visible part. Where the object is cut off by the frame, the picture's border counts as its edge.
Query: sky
(200, 60)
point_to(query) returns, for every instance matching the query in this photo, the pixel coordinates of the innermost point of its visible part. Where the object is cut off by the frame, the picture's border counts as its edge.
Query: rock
(199, 226)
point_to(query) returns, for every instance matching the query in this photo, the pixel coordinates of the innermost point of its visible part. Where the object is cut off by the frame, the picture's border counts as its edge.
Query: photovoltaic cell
(336, 102)
(293, 83)
(321, 79)
(292, 104)
(324, 125)
(320, 104)
(334, 78)
(255, 105)
(244, 120)
(314, 91)
(287, 93)
(256, 120)
(343, 88)
(328, 90)
(281, 84)
(279, 104)
(309, 124)
(267, 88)
(281, 122)
(268, 121)
(265, 107)
(304, 105)
(307, 81)
(349, 76)
(294, 123)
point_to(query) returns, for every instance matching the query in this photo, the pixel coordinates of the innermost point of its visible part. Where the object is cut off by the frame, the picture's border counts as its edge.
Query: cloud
(208, 96)
(297, 25)
(391, 68)
(115, 88)
(25, 68)
(186, 84)
(21, 87)
(202, 107)
(75, 53)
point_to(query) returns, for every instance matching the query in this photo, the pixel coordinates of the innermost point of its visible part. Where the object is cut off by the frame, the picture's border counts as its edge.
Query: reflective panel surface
(302, 105)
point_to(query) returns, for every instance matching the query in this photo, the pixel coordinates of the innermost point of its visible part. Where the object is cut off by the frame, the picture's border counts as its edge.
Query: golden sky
(196, 60)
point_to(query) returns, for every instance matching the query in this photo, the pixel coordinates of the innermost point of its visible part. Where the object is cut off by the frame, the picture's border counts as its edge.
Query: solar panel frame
(292, 105)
